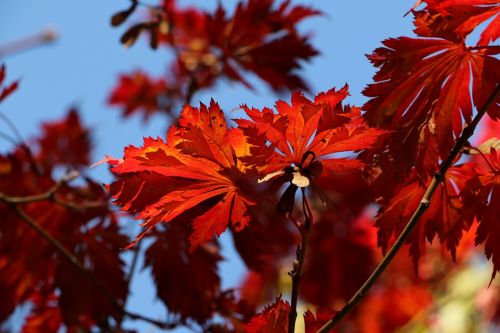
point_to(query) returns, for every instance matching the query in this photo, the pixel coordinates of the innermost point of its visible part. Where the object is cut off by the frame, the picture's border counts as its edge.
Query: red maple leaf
(303, 136)
(273, 319)
(65, 142)
(195, 294)
(421, 92)
(322, 127)
(211, 44)
(197, 165)
(447, 216)
(455, 19)
(264, 40)
(483, 196)
(138, 92)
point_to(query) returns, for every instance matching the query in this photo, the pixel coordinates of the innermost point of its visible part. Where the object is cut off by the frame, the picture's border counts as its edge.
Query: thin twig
(12, 127)
(298, 264)
(132, 270)
(80, 206)
(46, 36)
(422, 207)
(48, 195)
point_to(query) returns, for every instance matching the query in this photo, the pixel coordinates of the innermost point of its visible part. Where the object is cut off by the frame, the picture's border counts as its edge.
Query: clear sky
(83, 65)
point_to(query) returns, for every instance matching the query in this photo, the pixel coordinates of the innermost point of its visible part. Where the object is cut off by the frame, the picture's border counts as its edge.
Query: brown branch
(422, 207)
(48, 195)
(298, 264)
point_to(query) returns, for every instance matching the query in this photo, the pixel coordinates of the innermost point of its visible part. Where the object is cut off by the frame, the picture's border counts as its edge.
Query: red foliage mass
(44, 277)
(208, 176)
(258, 37)
(195, 294)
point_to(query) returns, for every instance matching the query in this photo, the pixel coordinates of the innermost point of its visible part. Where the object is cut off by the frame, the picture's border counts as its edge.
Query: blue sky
(83, 65)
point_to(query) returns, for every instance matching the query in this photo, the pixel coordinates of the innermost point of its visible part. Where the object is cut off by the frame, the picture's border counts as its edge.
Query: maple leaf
(313, 322)
(9, 89)
(483, 194)
(65, 142)
(273, 47)
(422, 93)
(322, 127)
(195, 294)
(447, 216)
(455, 19)
(98, 248)
(273, 319)
(137, 92)
(303, 136)
(197, 166)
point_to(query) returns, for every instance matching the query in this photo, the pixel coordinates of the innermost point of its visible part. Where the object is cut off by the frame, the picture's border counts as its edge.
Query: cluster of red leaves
(206, 163)
(424, 93)
(422, 88)
(204, 178)
(259, 37)
(32, 271)
(205, 174)
(208, 176)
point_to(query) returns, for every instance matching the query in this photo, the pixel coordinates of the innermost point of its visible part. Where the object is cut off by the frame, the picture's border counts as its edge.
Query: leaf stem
(298, 264)
(422, 207)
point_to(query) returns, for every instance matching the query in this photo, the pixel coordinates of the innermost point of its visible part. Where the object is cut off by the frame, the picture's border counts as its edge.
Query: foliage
(296, 185)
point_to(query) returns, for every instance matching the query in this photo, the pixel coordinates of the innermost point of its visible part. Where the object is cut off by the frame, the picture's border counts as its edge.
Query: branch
(132, 270)
(298, 264)
(422, 207)
(46, 36)
(48, 195)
